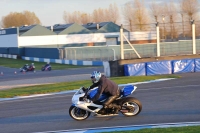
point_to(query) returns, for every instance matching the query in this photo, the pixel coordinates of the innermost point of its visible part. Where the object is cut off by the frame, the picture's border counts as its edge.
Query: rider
(106, 86)
(26, 66)
(32, 65)
(47, 64)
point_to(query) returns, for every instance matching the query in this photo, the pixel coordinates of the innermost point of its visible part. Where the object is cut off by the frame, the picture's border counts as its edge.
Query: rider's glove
(86, 100)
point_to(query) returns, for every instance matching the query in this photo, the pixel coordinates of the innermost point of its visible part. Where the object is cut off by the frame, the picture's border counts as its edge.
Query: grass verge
(57, 87)
(188, 129)
(18, 63)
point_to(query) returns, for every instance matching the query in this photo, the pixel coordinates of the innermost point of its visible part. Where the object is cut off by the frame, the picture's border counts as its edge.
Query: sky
(50, 12)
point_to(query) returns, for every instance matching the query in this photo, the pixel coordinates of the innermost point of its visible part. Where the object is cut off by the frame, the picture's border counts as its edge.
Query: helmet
(32, 63)
(26, 64)
(96, 75)
(47, 62)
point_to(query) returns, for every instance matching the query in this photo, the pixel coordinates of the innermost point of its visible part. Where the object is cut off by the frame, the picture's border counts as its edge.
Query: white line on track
(125, 128)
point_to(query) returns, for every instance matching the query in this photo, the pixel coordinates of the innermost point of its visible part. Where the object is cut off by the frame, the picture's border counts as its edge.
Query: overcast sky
(50, 12)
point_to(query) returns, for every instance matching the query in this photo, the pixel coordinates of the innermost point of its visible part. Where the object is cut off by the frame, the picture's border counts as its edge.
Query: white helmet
(96, 75)
(32, 63)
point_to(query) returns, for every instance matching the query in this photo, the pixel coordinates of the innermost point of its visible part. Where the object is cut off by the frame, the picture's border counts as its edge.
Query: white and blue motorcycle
(82, 107)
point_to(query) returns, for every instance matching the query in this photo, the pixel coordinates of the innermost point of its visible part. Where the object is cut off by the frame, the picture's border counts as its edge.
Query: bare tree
(155, 11)
(99, 15)
(140, 15)
(127, 12)
(171, 15)
(85, 18)
(190, 8)
(113, 13)
(76, 17)
(18, 19)
(71, 17)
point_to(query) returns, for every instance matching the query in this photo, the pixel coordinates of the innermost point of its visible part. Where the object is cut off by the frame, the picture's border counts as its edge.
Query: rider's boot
(116, 108)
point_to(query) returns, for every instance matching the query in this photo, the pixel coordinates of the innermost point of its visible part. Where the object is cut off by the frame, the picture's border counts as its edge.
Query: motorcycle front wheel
(133, 107)
(78, 114)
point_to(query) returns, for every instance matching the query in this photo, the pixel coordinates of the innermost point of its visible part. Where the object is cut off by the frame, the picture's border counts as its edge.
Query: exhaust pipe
(124, 111)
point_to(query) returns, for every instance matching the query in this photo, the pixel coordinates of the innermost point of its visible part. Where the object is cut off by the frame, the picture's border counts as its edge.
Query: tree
(98, 15)
(155, 11)
(135, 15)
(127, 12)
(171, 15)
(190, 8)
(76, 17)
(17, 19)
(113, 13)
(140, 15)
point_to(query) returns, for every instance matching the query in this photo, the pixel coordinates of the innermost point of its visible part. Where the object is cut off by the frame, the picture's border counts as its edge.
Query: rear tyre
(134, 106)
(78, 114)
(42, 69)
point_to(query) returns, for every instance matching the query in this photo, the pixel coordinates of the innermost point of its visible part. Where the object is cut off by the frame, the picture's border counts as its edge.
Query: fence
(166, 39)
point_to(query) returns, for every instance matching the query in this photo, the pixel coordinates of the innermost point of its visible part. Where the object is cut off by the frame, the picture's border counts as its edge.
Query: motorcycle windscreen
(127, 90)
(94, 92)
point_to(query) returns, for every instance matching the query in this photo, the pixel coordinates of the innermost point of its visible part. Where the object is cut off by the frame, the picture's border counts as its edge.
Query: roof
(94, 26)
(59, 27)
(26, 28)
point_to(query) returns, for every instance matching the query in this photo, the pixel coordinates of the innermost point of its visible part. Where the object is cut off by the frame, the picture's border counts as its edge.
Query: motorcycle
(46, 68)
(82, 107)
(27, 68)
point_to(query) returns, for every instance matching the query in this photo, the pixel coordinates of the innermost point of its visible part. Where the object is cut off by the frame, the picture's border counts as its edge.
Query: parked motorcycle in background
(82, 107)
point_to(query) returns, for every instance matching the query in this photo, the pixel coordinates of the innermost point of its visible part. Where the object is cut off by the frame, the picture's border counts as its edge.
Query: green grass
(18, 63)
(49, 88)
(188, 129)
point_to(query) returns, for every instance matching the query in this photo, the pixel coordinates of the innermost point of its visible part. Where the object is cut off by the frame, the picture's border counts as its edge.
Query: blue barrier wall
(197, 65)
(160, 67)
(3, 50)
(51, 53)
(13, 51)
(70, 62)
(164, 67)
(183, 66)
(135, 69)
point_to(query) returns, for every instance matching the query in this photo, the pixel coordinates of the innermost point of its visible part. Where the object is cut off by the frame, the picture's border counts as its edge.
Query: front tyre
(133, 105)
(78, 114)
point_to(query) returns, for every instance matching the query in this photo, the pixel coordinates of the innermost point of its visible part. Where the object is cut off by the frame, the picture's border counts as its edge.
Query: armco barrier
(70, 62)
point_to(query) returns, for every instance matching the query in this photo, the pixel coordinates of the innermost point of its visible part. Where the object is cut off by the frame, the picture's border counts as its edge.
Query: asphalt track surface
(10, 79)
(169, 101)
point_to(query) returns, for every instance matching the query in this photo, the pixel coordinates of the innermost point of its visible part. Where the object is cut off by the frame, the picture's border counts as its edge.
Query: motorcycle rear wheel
(134, 105)
(78, 114)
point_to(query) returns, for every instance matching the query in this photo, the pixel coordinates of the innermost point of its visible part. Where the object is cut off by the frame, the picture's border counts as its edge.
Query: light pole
(163, 25)
(183, 25)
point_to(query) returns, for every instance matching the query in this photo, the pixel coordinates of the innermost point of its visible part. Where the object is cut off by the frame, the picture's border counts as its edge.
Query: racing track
(163, 102)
